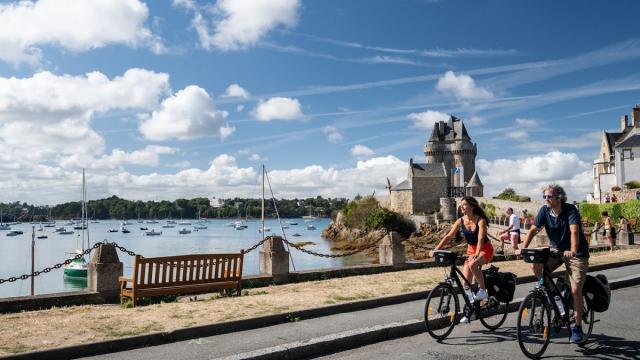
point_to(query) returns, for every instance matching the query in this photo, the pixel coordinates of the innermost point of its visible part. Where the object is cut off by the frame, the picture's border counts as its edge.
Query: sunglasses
(549, 197)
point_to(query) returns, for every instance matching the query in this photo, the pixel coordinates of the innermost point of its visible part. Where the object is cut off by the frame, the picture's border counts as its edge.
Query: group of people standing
(563, 227)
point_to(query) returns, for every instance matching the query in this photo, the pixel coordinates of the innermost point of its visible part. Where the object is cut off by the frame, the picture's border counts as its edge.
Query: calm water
(15, 252)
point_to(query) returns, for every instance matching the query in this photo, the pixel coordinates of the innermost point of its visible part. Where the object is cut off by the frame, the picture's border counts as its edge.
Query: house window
(627, 154)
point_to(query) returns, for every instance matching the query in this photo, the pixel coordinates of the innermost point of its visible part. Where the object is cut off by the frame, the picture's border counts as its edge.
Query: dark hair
(510, 209)
(605, 213)
(477, 210)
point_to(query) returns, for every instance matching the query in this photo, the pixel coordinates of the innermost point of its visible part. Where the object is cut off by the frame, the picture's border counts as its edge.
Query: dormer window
(627, 154)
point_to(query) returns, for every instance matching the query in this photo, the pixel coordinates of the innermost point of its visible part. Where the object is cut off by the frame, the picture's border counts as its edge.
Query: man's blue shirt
(558, 228)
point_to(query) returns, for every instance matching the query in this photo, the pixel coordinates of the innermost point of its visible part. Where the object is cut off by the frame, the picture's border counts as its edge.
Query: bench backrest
(186, 269)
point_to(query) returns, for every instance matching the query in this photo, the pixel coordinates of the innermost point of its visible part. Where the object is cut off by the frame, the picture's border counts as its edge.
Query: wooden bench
(182, 275)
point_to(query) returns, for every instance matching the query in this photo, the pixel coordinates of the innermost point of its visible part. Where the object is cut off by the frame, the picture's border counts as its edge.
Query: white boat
(184, 231)
(153, 232)
(112, 230)
(265, 229)
(311, 227)
(184, 223)
(124, 230)
(152, 222)
(14, 233)
(5, 227)
(168, 226)
(78, 267)
(200, 227)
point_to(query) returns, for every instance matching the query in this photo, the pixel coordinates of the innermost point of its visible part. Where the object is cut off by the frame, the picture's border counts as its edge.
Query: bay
(15, 252)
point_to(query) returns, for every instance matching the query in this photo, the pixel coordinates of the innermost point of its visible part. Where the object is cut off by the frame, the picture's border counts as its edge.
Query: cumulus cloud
(278, 108)
(239, 24)
(333, 134)
(361, 151)
(426, 119)
(189, 114)
(529, 175)
(235, 90)
(517, 134)
(462, 87)
(77, 26)
(257, 157)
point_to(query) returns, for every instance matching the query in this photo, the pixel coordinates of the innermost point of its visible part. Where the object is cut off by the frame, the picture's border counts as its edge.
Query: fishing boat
(184, 231)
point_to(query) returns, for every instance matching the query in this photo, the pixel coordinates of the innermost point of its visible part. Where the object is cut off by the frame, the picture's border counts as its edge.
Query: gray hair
(556, 190)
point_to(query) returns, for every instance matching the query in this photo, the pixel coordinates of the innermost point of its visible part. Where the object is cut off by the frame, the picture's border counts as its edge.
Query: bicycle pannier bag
(596, 290)
(501, 285)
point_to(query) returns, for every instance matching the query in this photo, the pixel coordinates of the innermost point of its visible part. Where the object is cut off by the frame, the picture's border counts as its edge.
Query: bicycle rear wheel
(534, 320)
(492, 313)
(588, 318)
(440, 311)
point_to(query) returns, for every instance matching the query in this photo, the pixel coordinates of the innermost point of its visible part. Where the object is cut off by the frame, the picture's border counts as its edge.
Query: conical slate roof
(475, 181)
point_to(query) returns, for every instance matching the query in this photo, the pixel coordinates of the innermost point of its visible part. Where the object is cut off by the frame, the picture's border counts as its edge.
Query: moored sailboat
(77, 269)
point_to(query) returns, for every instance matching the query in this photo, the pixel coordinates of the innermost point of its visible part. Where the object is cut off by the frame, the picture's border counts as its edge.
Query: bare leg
(476, 266)
(466, 271)
(576, 293)
(612, 243)
(514, 242)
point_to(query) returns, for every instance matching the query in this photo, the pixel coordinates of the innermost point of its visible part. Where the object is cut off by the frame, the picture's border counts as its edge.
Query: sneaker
(469, 294)
(481, 294)
(577, 336)
(464, 320)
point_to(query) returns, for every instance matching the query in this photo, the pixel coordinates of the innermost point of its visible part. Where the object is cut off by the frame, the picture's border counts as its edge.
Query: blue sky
(187, 98)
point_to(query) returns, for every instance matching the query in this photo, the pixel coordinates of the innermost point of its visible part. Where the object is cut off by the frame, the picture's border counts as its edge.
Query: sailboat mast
(82, 211)
(263, 202)
(85, 224)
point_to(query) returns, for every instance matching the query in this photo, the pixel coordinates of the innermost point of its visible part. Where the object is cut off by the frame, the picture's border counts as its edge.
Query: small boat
(60, 229)
(42, 237)
(144, 228)
(168, 226)
(14, 233)
(292, 223)
(311, 227)
(40, 228)
(184, 223)
(266, 228)
(200, 227)
(152, 222)
(65, 232)
(80, 226)
(77, 268)
(184, 231)
(124, 230)
(153, 232)
(296, 235)
(112, 230)
(231, 224)
(5, 227)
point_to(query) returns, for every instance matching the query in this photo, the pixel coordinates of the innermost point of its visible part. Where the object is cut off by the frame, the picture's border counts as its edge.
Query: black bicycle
(548, 306)
(441, 312)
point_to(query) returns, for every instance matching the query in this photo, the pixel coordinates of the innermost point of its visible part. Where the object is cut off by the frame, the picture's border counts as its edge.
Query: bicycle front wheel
(492, 313)
(534, 320)
(440, 311)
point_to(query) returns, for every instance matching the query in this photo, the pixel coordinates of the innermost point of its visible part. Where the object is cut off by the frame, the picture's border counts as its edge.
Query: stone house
(619, 160)
(448, 171)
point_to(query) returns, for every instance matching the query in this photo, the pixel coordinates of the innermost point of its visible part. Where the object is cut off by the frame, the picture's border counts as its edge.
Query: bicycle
(442, 307)
(536, 310)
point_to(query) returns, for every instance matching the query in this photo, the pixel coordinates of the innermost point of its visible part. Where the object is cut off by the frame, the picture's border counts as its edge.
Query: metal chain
(348, 253)
(122, 248)
(255, 246)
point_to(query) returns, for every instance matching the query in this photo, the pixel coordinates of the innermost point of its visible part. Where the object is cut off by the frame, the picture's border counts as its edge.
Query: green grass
(112, 332)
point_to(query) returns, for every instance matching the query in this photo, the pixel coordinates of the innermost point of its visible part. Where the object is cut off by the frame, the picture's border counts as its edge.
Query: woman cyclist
(473, 225)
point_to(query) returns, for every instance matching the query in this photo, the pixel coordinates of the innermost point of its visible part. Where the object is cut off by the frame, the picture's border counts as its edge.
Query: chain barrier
(255, 246)
(348, 253)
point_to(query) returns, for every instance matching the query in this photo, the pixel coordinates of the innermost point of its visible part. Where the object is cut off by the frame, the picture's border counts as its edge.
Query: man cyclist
(564, 229)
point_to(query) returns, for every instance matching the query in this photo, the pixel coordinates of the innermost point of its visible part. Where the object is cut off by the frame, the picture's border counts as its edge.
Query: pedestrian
(563, 226)
(614, 198)
(473, 224)
(637, 195)
(511, 233)
(609, 231)
(624, 224)
(607, 198)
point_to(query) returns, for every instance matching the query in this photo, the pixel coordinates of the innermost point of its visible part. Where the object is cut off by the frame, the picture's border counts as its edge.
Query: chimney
(636, 116)
(623, 123)
(441, 124)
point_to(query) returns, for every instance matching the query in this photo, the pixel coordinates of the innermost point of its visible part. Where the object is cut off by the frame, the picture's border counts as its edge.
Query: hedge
(629, 209)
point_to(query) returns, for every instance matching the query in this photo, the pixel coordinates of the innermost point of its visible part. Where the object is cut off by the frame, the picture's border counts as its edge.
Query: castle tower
(449, 143)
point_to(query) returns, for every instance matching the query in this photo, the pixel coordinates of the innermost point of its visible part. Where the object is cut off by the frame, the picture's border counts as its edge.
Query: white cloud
(529, 175)
(526, 122)
(462, 87)
(476, 120)
(239, 108)
(189, 114)
(278, 108)
(239, 24)
(426, 119)
(235, 90)
(77, 26)
(333, 134)
(517, 134)
(257, 157)
(362, 151)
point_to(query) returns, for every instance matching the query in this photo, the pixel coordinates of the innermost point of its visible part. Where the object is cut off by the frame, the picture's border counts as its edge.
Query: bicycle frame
(454, 276)
(547, 281)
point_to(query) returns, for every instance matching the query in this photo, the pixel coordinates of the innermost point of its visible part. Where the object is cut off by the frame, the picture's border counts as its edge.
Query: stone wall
(427, 192)
(532, 207)
(400, 201)
(625, 195)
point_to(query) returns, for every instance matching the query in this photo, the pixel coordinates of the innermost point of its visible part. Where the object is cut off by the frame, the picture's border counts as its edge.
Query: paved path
(293, 334)
(615, 336)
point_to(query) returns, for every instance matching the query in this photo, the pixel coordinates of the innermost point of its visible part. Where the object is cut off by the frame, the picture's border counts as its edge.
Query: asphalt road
(615, 336)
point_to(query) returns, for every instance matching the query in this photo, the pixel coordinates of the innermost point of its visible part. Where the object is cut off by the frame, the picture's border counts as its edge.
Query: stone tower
(450, 144)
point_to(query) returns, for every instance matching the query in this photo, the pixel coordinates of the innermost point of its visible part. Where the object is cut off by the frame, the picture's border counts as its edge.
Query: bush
(615, 188)
(510, 194)
(633, 184)
(629, 209)
(489, 209)
(357, 210)
(390, 220)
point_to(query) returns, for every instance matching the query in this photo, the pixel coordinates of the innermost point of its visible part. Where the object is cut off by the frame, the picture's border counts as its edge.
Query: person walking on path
(473, 225)
(564, 228)
(511, 233)
(624, 224)
(607, 198)
(609, 230)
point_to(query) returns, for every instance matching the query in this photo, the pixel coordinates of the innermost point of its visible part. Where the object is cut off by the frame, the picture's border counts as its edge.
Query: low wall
(532, 207)
(625, 195)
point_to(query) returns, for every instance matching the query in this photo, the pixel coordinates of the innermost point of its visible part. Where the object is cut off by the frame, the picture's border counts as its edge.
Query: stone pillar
(274, 259)
(103, 272)
(448, 208)
(625, 238)
(392, 250)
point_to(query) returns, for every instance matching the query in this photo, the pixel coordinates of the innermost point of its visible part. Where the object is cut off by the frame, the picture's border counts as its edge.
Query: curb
(382, 333)
(334, 343)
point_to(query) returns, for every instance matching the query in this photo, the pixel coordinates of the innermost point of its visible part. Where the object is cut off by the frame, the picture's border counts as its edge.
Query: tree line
(117, 208)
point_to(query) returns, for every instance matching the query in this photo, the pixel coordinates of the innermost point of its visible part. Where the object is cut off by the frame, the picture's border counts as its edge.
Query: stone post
(274, 259)
(448, 208)
(392, 250)
(625, 238)
(103, 272)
